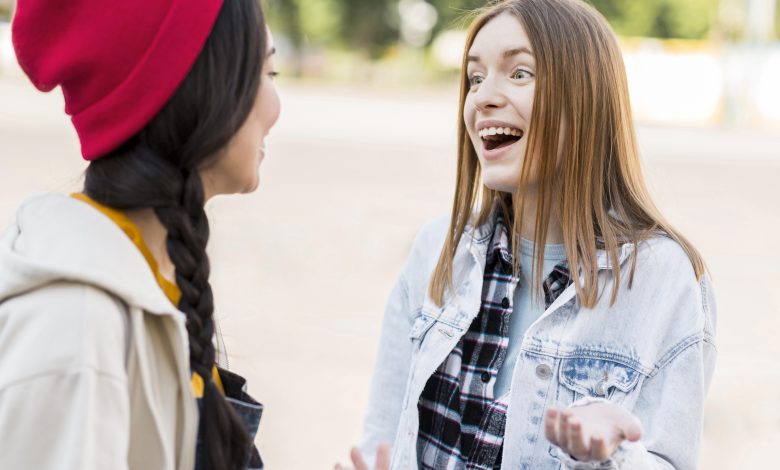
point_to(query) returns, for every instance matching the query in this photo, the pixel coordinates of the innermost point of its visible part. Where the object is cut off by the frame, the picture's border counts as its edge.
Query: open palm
(592, 432)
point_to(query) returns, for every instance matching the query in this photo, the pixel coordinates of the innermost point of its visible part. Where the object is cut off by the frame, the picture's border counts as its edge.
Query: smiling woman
(581, 147)
(555, 320)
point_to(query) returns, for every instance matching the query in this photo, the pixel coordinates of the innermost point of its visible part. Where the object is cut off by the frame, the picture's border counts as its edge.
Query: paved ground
(302, 267)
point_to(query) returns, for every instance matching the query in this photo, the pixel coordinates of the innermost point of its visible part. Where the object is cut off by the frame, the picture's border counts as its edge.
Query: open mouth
(499, 137)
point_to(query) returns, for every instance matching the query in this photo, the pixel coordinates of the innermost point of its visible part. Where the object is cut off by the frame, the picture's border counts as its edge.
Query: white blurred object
(7, 56)
(448, 47)
(418, 18)
(760, 21)
(766, 93)
(683, 87)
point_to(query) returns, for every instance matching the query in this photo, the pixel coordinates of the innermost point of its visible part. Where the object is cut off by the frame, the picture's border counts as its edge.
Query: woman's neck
(528, 224)
(155, 235)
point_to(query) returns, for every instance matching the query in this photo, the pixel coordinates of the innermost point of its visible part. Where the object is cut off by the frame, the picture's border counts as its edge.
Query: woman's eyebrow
(506, 54)
(517, 50)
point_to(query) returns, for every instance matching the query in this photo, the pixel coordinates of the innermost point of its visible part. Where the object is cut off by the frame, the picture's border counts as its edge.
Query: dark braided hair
(158, 169)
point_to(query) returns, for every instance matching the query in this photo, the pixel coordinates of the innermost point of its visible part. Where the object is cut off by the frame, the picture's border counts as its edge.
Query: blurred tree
(286, 14)
(454, 13)
(371, 26)
(749, 20)
(777, 20)
(363, 25)
(689, 19)
(5, 9)
(366, 24)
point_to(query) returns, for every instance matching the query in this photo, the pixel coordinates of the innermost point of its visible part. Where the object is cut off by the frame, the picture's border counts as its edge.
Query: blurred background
(364, 154)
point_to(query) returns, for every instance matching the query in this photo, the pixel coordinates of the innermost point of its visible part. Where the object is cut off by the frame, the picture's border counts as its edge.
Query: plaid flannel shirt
(461, 422)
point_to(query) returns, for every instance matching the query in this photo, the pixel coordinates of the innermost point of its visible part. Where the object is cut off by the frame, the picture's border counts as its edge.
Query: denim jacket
(652, 352)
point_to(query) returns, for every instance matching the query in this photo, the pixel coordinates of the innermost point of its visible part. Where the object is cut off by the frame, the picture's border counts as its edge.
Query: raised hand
(592, 432)
(382, 459)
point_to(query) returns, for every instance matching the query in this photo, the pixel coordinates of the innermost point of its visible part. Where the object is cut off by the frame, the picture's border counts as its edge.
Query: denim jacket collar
(459, 307)
(478, 239)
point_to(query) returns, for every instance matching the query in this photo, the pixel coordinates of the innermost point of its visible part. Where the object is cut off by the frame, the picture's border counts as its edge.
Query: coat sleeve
(63, 391)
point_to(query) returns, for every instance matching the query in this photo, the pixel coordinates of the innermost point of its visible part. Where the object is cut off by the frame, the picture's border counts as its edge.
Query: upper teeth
(500, 131)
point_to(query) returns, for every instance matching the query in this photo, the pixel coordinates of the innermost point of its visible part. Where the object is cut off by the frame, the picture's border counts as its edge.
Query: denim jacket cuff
(569, 463)
(628, 455)
(587, 401)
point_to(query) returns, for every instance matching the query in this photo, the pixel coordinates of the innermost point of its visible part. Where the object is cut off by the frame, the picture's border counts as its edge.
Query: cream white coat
(94, 370)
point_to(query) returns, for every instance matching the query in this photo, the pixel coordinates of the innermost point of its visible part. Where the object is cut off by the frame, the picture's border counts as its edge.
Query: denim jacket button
(505, 302)
(543, 371)
(601, 388)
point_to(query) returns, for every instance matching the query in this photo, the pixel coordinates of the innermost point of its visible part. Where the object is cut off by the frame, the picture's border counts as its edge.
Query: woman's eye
(476, 80)
(521, 74)
(273, 74)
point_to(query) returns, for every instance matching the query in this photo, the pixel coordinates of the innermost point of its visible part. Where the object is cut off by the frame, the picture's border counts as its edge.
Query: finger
(550, 423)
(577, 447)
(563, 431)
(598, 450)
(383, 457)
(632, 428)
(357, 459)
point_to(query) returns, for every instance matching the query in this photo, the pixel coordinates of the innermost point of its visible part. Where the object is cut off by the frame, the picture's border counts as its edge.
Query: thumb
(383, 457)
(632, 428)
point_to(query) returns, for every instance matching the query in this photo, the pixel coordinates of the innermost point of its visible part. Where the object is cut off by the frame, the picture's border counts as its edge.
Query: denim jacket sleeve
(670, 407)
(390, 373)
(394, 357)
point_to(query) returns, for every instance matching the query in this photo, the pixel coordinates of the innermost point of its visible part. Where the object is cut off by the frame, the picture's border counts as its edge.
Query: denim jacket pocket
(421, 324)
(596, 377)
(581, 377)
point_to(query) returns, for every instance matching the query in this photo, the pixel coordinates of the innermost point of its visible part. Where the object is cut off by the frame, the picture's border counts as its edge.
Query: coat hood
(56, 238)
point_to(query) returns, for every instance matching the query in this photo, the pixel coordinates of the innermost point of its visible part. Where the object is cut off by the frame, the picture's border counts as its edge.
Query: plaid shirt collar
(499, 247)
(485, 235)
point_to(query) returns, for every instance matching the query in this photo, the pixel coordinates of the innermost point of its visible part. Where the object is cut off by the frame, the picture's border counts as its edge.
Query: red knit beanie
(118, 62)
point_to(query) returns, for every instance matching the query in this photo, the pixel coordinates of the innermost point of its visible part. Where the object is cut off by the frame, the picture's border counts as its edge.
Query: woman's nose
(489, 94)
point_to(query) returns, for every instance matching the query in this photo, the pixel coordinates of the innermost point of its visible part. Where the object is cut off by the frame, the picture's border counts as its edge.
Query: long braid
(188, 234)
(158, 169)
(227, 444)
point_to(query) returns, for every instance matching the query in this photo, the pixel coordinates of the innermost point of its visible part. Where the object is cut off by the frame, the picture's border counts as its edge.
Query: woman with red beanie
(106, 313)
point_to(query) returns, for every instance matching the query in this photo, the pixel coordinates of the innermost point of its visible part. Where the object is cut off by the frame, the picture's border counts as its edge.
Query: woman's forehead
(505, 32)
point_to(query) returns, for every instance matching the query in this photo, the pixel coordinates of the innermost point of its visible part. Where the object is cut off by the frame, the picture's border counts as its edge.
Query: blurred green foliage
(455, 14)
(371, 26)
(5, 9)
(684, 19)
(364, 25)
(777, 20)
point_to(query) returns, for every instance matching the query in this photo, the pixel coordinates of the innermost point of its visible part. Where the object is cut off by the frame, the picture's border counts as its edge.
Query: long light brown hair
(597, 188)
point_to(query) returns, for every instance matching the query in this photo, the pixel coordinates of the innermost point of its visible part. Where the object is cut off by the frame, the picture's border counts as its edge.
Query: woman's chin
(499, 183)
(252, 186)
